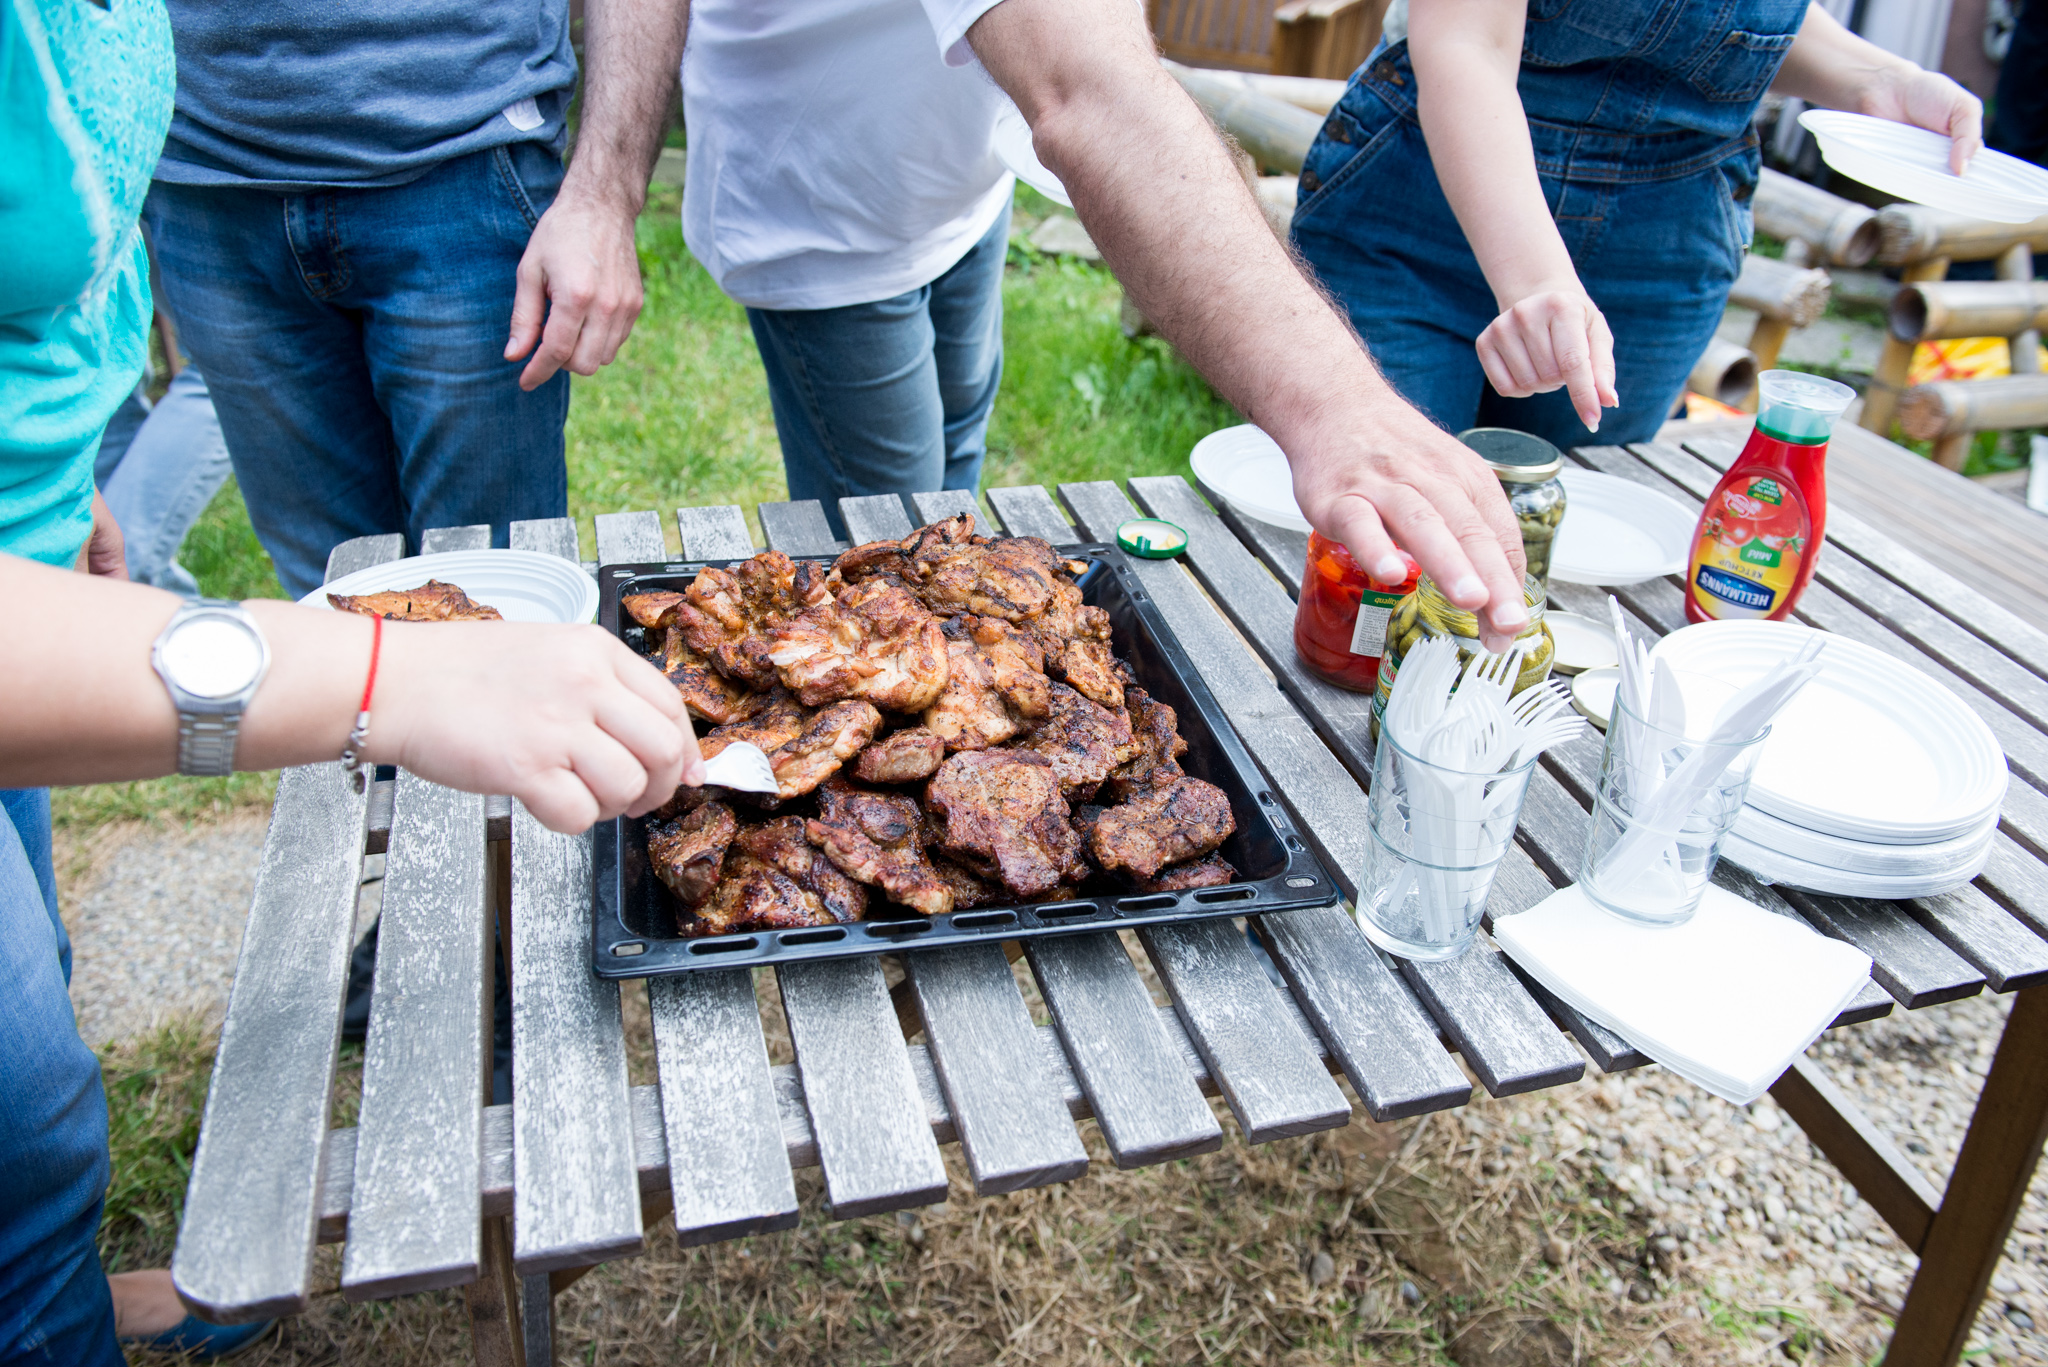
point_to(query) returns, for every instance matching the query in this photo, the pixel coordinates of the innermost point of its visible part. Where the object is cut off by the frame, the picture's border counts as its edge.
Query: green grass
(156, 1085)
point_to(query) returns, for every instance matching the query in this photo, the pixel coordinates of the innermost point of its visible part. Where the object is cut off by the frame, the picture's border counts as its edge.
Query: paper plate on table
(1912, 163)
(1782, 869)
(526, 586)
(1871, 750)
(1617, 532)
(1936, 859)
(1247, 470)
(1013, 148)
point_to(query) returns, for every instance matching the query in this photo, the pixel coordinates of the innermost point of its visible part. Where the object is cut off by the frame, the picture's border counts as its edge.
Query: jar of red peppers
(1340, 625)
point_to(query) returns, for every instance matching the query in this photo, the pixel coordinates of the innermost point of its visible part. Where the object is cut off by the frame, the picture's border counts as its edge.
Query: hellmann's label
(1750, 547)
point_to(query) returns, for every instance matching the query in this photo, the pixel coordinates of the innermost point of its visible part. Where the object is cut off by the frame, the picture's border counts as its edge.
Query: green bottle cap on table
(1149, 538)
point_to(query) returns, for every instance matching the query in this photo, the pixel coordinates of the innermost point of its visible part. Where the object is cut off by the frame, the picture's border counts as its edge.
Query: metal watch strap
(206, 745)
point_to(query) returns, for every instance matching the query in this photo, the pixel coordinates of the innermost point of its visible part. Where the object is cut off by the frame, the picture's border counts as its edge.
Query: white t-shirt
(838, 154)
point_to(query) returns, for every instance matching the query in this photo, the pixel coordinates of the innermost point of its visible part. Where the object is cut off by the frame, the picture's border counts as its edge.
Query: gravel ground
(1751, 1229)
(156, 920)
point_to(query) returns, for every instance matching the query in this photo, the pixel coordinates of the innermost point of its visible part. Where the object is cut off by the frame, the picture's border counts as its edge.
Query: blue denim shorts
(1656, 224)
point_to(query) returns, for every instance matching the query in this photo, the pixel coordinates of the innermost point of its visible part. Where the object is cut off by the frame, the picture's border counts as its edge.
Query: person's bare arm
(579, 281)
(1828, 65)
(1467, 55)
(1158, 193)
(565, 718)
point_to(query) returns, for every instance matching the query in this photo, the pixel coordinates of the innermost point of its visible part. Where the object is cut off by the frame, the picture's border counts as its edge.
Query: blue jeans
(354, 342)
(159, 466)
(55, 1309)
(890, 397)
(1656, 224)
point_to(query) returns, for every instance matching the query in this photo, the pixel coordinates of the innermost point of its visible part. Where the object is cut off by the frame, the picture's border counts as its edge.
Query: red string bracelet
(351, 754)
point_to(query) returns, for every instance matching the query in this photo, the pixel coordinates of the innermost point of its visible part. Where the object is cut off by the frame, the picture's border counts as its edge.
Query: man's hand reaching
(1406, 482)
(579, 288)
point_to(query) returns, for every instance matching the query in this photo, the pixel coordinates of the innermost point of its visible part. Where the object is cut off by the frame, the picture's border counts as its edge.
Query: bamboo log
(1843, 232)
(1724, 371)
(1968, 308)
(1948, 408)
(2017, 263)
(1783, 293)
(1313, 93)
(1909, 233)
(1277, 134)
(1881, 396)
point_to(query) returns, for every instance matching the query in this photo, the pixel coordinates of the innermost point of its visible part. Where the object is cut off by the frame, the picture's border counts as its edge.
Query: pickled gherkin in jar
(1527, 467)
(1426, 613)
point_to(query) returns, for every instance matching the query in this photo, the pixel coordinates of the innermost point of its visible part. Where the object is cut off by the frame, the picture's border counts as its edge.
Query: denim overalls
(1639, 112)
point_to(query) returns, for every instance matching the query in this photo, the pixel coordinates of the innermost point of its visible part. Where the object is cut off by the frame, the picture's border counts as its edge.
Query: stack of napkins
(1726, 1000)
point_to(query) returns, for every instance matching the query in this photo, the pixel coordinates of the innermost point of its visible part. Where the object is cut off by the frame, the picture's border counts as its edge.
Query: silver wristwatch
(211, 656)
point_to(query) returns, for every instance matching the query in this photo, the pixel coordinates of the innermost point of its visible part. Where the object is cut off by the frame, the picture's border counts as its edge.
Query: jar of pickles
(1340, 624)
(1426, 612)
(1527, 467)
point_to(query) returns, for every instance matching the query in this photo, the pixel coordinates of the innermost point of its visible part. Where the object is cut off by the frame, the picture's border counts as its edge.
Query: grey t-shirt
(298, 93)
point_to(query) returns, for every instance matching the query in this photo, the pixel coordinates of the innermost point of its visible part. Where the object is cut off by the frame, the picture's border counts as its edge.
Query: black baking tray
(635, 920)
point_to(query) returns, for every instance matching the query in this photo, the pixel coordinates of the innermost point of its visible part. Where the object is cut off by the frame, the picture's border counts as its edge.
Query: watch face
(213, 657)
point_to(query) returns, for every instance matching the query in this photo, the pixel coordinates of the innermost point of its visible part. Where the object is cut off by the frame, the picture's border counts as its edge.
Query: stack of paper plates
(1876, 781)
(1618, 532)
(525, 586)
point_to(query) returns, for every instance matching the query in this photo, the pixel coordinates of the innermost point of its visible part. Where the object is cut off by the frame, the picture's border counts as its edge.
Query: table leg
(1984, 1194)
(537, 1320)
(494, 1302)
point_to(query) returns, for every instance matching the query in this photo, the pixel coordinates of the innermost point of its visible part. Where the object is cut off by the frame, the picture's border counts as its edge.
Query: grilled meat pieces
(1163, 826)
(432, 601)
(1075, 638)
(654, 609)
(781, 845)
(1003, 808)
(835, 735)
(753, 895)
(873, 837)
(874, 641)
(1156, 729)
(688, 852)
(910, 560)
(727, 614)
(1210, 872)
(969, 889)
(994, 687)
(708, 694)
(908, 755)
(804, 748)
(1011, 577)
(1084, 740)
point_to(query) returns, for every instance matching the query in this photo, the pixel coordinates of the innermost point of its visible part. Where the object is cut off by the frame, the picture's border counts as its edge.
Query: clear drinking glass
(1438, 836)
(1656, 875)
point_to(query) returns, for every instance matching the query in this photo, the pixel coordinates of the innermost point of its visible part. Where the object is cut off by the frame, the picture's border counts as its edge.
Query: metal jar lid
(1514, 457)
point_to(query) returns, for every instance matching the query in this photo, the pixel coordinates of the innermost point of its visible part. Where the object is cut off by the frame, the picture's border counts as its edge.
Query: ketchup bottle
(1758, 537)
(1340, 624)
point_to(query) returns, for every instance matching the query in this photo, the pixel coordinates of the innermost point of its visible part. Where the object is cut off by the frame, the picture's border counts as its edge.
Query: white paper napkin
(1726, 1000)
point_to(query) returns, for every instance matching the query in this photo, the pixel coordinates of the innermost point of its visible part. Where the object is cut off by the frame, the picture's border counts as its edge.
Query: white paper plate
(526, 586)
(1582, 643)
(1593, 695)
(1618, 532)
(1247, 469)
(1013, 148)
(1912, 163)
(1786, 871)
(1939, 858)
(1871, 750)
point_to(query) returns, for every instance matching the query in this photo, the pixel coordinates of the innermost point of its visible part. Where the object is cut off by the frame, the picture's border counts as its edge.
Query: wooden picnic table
(435, 1188)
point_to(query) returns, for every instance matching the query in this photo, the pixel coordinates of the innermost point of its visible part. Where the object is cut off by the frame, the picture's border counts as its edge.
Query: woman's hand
(564, 718)
(1551, 339)
(1930, 100)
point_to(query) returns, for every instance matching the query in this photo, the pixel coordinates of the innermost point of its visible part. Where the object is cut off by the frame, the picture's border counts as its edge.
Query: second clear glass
(1658, 876)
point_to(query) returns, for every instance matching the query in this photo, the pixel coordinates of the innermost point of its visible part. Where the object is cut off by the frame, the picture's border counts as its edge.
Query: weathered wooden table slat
(245, 1248)
(438, 540)
(414, 1220)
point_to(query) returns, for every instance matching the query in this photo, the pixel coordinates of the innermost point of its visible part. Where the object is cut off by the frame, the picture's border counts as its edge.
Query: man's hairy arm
(1158, 193)
(580, 276)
